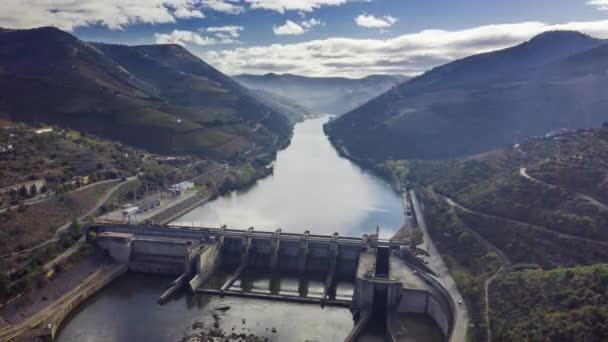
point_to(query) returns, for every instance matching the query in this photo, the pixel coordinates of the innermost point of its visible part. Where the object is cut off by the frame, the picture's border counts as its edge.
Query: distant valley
(331, 95)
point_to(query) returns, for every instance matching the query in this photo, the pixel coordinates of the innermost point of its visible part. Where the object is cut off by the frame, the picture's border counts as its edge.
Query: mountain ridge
(159, 97)
(420, 118)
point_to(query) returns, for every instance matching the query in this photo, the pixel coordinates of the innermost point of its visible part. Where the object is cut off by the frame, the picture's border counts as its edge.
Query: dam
(388, 279)
(309, 177)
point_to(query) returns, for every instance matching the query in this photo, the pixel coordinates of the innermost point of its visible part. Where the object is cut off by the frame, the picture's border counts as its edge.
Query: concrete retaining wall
(206, 264)
(118, 249)
(164, 248)
(439, 315)
(413, 301)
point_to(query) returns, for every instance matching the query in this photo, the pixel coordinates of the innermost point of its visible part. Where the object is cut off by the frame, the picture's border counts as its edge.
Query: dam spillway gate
(382, 280)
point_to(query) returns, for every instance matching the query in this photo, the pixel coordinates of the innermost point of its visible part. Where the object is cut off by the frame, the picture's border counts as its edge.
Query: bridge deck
(202, 232)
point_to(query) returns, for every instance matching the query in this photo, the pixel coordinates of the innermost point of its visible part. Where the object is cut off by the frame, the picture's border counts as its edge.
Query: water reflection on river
(312, 189)
(127, 311)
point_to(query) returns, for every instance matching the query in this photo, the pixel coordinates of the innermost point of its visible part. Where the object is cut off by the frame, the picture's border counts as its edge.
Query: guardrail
(198, 232)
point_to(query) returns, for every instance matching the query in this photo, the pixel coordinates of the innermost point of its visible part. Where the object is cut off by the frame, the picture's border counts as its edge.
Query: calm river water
(312, 189)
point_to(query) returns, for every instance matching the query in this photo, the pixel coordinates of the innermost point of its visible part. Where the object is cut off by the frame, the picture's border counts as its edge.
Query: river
(312, 188)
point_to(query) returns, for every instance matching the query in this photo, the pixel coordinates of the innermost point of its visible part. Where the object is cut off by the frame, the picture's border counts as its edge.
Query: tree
(60, 189)
(33, 190)
(44, 189)
(75, 228)
(23, 191)
(5, 283)
(416, 238)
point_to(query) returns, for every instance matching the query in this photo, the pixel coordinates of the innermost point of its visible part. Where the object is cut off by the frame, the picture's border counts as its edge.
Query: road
(524, 173)
(44, 199)
(502, 257)
(61, 230)
(526, 224)
(486, 294)
(436, 263)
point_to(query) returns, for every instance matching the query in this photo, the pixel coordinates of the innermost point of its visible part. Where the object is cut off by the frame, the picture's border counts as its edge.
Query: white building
(6, 148)
(179, 188)
(43, 130)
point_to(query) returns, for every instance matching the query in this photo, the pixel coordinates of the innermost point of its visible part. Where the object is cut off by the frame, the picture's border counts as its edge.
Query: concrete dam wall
(383, 281)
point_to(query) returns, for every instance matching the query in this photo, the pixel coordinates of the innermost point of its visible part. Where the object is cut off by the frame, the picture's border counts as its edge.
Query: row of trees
(24, 193)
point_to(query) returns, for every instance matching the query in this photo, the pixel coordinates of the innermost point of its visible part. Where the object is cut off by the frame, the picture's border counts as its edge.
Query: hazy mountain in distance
(157, 97)
(555, 80)
(334, 95)
(294, 112)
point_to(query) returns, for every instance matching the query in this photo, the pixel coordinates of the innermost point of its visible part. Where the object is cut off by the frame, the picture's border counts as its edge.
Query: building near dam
(388, 280)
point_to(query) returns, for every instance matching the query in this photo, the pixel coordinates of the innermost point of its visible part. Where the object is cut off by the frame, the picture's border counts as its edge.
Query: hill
(333, 95)
(558, 305)
(483, 102)
(539, 205)
(158, 97)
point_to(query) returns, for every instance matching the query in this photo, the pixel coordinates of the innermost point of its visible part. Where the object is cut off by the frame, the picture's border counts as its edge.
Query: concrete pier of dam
(386, 281)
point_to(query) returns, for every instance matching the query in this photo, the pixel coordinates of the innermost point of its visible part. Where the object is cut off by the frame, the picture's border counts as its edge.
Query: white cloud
(233, 31)
(370, 21)
(599, 4)
(294, 5)
(293, 28)
(310, 23)
(118, 14)
(114, 14)
(218, 35)
(226, 6)
(225, 34)
(408, 54)
(185, 13)
(183, 38)
(289, 28)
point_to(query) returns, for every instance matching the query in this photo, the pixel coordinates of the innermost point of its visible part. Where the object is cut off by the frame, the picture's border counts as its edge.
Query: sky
(351, 38)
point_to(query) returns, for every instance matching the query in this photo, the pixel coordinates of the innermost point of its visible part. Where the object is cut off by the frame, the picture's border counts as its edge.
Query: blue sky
(314, 37)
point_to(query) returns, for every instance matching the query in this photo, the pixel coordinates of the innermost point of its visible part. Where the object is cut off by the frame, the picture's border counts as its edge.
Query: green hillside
(483, 102)
(539, 205)
(160, 98)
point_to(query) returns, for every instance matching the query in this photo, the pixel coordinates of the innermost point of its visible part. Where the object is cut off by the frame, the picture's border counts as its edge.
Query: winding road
(529, 225)
(61, 230)
(524, 173)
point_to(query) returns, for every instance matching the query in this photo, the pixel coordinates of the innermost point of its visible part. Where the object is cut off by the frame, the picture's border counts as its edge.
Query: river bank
(65, 295)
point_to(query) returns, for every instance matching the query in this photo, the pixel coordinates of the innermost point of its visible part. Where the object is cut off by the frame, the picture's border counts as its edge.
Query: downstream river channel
(312, 188)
